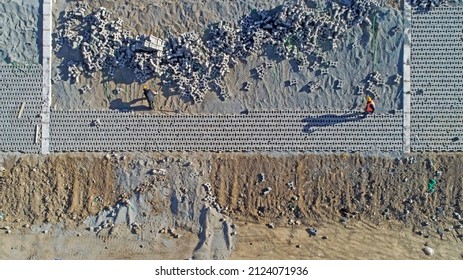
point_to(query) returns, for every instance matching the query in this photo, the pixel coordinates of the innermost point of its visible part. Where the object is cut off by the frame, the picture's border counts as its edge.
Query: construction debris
(191, 65)
(265, 191)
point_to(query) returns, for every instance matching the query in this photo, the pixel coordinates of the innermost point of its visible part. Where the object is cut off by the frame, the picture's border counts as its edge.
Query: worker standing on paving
(149, 94)
(370, 108)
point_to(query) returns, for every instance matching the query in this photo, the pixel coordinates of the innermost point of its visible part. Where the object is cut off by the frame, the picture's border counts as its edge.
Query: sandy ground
(368, 207)
(20, 39)
(362, 241)
(80, 244)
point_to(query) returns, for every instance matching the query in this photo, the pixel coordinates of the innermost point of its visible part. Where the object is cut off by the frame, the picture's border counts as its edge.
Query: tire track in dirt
(57, 188)
(68, 188)
(369, 188)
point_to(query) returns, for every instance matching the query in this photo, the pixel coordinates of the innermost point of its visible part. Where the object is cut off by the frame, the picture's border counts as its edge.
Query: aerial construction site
(278, 129)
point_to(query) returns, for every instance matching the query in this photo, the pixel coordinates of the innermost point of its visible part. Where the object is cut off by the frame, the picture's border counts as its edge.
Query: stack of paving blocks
(292, 30)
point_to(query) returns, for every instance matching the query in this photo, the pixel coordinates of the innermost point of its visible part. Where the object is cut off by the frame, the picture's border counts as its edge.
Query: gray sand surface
(363, 50)
(19, 36)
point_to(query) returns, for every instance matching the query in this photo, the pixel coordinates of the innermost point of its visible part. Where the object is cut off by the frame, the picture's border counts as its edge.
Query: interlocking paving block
(437, 80)
(18, 85)
(106, 130)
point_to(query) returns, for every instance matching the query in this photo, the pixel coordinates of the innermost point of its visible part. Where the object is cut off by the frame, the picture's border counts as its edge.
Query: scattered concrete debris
(312, 231)
(171, 231)
(191, 65)
(96, 123)
(56, 78)
(85, 89)
(117, 91)
(261, 177)
(211, 199)
(410, 160)
(151, 43)
(457, 215)
(261, 210)
(343, 220)
(426, 5)
(265, 191)
(159, 171)
(291, 82)
(246, 86)
(397, 79)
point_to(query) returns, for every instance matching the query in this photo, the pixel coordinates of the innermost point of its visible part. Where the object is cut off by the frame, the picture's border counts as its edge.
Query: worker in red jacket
(370, 108)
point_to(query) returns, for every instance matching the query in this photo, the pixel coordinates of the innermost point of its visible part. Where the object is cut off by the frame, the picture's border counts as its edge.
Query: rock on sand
(428, 251)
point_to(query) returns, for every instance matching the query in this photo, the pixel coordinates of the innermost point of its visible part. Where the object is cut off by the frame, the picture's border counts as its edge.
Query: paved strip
(20, 85)
(406, 78)
(433, 122)
(437, 80)
(328, 131)
(46, 63)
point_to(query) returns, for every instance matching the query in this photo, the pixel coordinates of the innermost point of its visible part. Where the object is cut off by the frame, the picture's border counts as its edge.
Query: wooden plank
(37, 134)
(21, 110)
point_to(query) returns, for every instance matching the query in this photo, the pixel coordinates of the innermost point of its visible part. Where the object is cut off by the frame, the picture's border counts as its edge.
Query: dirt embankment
(300, 187)
(346, 197)
(134, 205)
(314, 188)
(57, 188)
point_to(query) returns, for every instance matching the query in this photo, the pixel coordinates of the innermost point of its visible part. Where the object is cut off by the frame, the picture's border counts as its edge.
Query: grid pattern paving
(436, 112)
(256, 131)
(18, 85)
(437, 80)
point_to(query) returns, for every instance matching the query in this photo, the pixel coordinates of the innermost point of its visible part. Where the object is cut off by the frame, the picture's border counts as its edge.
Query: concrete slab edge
(406, 77)
(46, 64)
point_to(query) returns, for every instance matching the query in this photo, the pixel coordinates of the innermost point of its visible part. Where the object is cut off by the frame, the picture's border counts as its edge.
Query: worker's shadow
(118, 104)
(330, 119)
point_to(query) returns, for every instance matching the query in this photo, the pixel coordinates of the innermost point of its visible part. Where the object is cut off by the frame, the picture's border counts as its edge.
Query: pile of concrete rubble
(191, 65)
(426, 5)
